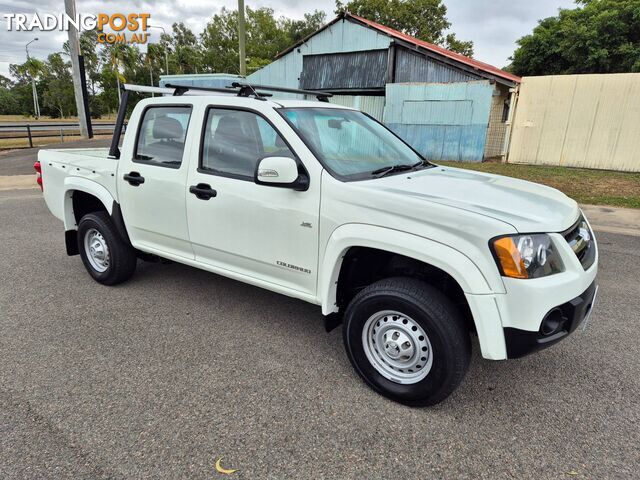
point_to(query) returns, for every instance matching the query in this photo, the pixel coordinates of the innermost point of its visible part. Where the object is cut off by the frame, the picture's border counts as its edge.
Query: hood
(528, 207)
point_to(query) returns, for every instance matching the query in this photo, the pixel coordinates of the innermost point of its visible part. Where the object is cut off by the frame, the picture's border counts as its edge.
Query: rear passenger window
(161, 136)
(235, 140)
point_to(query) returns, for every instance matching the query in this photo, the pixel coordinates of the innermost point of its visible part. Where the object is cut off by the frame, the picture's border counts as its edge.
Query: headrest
(167, 127)
(229, 126)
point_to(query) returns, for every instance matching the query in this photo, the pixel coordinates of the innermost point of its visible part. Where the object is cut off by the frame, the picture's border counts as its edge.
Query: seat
(166, 150)
(230, 150)
(167, 128)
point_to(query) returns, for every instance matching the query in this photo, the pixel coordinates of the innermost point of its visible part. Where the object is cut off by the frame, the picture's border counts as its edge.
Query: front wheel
(107, 258)
(407, 341)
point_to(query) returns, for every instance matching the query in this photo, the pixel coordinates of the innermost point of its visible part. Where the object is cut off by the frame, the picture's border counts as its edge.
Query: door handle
(134, 178)
(203, 191)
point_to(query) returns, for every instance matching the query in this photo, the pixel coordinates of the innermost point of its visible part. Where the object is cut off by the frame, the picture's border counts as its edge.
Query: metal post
(114, 151)
(29, 134)
(166, 55)
(85, 96)
(74, 47)
(118, 83)
(150, 72)
(34, 94)
(241, 38)
(513, 104)
(34, 90)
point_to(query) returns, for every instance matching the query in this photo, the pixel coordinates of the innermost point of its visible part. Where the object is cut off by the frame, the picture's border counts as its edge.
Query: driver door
(265, 234)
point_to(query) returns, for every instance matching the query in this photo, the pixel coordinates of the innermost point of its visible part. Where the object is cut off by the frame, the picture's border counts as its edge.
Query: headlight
(526, 256)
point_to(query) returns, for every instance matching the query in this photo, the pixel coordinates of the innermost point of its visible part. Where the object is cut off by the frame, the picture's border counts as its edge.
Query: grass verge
(595, 187)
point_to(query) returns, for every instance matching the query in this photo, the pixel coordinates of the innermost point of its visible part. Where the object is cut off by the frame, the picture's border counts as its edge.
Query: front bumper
(557, 325)
(511, 324)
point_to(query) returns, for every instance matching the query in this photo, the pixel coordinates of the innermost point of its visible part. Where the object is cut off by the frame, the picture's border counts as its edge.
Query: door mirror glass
(280, 172)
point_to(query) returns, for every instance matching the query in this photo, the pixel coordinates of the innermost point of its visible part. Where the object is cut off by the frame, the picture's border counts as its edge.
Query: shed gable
(339, 37)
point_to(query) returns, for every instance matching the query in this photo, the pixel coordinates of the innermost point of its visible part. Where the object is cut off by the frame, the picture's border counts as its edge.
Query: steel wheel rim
(397, 347)
(97, 250)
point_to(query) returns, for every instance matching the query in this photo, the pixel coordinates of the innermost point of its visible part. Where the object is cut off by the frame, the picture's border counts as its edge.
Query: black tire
(122, 256)
(435, 314)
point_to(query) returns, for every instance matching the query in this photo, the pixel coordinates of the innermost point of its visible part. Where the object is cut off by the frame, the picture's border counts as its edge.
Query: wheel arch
(455, 264)
(464, 282)
(84, 196)
(92, 195)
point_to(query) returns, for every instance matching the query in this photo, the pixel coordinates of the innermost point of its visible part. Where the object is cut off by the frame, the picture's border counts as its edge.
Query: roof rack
(248, 90)
(241, 91)
(236, 88)
(321, 96)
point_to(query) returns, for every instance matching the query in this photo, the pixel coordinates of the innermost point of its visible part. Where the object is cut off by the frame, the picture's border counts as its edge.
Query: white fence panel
(589, 121)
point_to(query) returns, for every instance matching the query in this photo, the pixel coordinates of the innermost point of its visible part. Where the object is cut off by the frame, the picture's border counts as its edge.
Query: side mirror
(280, 172)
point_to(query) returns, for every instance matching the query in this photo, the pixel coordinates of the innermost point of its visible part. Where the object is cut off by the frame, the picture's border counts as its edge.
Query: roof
(469, 62)
(292, 103)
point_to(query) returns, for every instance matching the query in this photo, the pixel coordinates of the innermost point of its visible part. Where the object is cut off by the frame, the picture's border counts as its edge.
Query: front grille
(580, 239)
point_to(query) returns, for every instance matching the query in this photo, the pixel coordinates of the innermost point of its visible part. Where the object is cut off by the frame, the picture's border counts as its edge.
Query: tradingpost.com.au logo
(125, 27)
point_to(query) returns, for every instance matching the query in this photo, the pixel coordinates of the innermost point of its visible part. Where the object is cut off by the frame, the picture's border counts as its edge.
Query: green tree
(5, 82)
(57, 83)
(423, 19)
(9, 104)
(220, 40)
(89, 49)
(296, 30)
(598, 36)
(266, 36)
(23, 73)
(120, 63)
(185, 56)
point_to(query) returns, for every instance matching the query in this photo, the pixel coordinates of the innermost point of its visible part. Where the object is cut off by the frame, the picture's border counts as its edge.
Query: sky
(492, 25)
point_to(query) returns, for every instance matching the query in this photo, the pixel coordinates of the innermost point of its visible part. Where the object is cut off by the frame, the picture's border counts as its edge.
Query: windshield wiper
(381, 172)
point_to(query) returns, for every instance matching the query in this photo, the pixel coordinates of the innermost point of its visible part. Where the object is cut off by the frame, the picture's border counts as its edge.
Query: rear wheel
(107, 258)
(407, 341)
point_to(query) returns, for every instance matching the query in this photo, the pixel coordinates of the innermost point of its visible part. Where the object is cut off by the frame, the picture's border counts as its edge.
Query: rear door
(265, 234)
(152, 180)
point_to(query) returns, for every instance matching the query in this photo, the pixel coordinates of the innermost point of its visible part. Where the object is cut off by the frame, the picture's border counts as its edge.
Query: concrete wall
(590, 121)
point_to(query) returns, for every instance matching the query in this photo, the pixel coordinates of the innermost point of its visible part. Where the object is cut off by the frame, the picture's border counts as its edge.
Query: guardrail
(32, 131)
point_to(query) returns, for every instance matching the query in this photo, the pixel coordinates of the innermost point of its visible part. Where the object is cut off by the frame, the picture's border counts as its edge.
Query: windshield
(350, 144)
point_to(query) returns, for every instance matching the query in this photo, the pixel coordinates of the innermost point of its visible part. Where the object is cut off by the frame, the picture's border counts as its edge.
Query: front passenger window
(235, 140)
(161, 136)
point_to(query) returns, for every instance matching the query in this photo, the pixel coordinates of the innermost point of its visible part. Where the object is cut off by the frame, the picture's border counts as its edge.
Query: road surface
(163, 375)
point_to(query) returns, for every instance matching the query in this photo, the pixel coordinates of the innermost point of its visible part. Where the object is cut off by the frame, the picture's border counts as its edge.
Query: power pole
(241, 38)
(77, 66)
(150, 71)
(34, 91)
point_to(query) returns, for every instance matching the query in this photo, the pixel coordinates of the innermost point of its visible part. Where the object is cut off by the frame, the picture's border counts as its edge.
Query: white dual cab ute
(323, 203)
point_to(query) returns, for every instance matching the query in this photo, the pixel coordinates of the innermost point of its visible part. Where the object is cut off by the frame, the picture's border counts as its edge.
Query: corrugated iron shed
(483, 70)
(338, 71)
